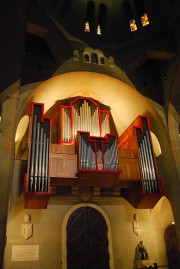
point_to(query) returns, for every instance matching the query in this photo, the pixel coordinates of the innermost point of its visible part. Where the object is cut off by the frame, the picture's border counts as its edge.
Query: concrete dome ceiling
(72, 14)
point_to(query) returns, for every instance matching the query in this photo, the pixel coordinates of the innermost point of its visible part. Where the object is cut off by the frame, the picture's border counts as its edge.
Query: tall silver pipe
(152, 163)
(147, 150)
(32, 158)
(40, 159)
(143, 170)
(146, 168)
(43, 161)
(46, 165)
(36, 156)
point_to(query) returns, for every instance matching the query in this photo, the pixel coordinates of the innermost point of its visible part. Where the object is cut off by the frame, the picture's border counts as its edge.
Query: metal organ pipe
(40, 159)
(152, 163)
(143, 170)
(36, 156)
(32, 153)
(43, 161)
(46, 165)
(105, 125)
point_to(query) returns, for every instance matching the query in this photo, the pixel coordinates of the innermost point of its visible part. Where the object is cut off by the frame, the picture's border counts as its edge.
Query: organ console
(87, 154)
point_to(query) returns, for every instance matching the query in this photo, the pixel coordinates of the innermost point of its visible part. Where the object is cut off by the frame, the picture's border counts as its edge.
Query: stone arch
(173, 125)
(64, 233)
(156, 145)
(20, 132)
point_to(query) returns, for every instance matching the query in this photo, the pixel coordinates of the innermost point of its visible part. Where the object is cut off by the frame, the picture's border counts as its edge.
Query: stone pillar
(9, 100)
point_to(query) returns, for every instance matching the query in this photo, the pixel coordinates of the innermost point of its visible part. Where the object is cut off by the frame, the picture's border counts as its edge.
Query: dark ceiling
(37, 36)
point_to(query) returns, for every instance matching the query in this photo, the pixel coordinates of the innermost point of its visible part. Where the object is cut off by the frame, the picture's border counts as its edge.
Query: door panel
(87, 243)
(172, 247)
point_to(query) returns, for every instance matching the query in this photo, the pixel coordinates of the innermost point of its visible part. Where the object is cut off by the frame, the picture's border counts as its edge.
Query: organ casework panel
(83, 114)
(37, 177)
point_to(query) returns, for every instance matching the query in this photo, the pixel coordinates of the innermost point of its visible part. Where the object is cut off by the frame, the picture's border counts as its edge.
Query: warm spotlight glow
(156, 145)
(21, 129)
(112, 92)
(173, 223)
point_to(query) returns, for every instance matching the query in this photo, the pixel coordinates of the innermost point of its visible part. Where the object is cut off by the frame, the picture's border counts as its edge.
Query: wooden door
(87, 243)
(172, 249)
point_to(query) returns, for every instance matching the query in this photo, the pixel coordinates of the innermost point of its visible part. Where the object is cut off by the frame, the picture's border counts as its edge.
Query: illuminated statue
(142, 253)
(27, 228)
(137, 227)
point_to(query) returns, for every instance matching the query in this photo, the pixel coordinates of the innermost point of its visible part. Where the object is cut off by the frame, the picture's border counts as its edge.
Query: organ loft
(75, 146)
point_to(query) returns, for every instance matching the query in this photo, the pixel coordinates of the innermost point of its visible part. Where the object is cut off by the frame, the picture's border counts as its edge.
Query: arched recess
(126, 102)
(20, 132)
(173, 124)
(64, 232)
(156, 145)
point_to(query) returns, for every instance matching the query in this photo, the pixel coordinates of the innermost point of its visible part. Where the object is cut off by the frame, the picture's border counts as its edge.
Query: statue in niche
(142, 252)
(76, 55)
(137, 226)
(27, 227)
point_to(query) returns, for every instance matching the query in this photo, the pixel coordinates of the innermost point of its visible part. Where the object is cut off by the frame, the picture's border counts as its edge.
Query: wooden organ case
(88, 153)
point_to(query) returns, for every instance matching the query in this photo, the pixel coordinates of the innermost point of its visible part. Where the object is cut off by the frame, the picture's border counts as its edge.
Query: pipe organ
(87, 155)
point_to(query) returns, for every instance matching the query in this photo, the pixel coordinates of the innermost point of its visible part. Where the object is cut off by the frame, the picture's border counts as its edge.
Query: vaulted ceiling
(37, 36)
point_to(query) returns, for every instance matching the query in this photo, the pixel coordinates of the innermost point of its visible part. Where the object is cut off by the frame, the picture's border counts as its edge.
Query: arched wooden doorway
(87, 242)
(172, 247)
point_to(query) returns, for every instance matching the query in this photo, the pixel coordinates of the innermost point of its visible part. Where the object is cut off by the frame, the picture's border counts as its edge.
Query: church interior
(90, 134)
